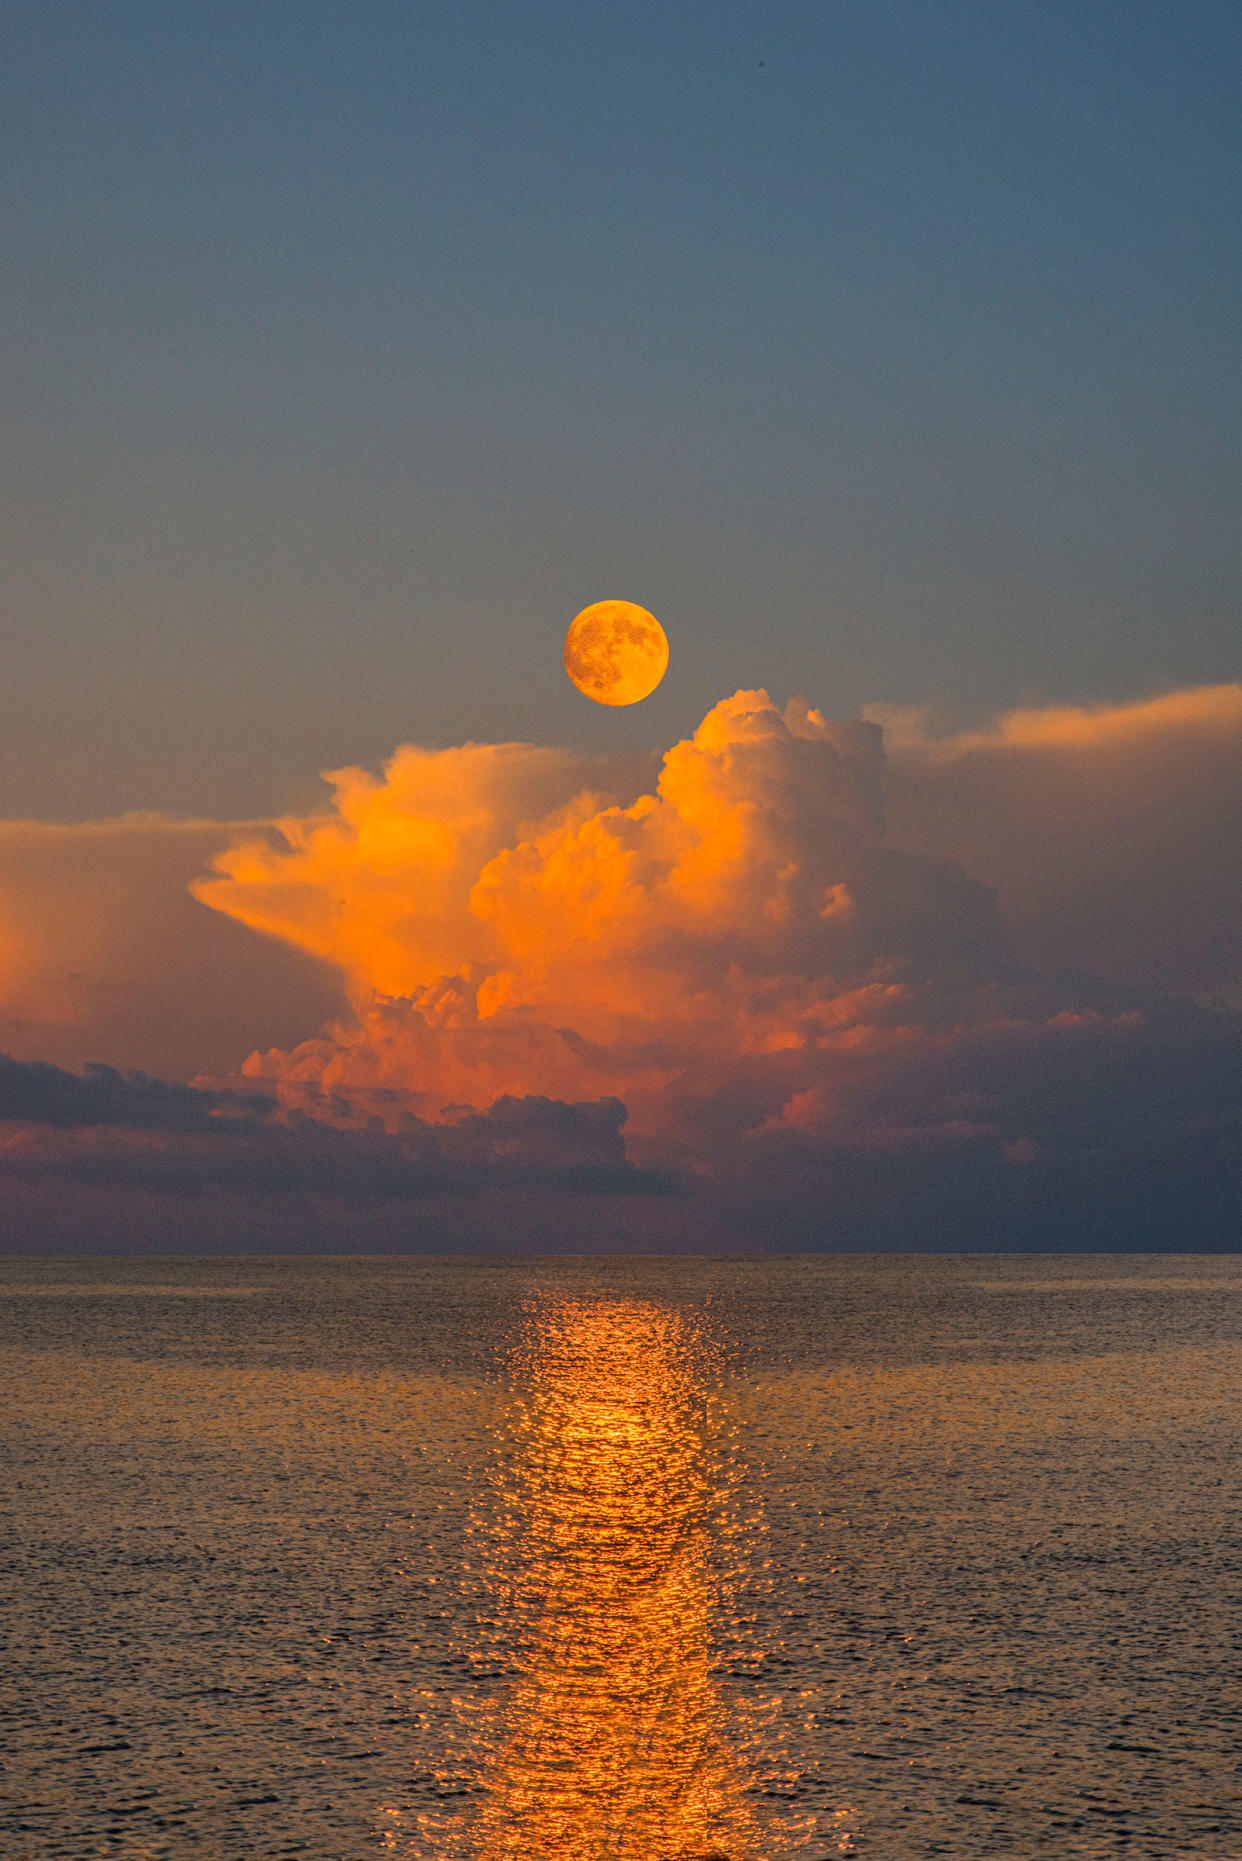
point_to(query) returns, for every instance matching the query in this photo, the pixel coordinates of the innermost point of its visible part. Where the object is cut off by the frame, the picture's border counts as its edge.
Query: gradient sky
(886, 351)
(891, 354)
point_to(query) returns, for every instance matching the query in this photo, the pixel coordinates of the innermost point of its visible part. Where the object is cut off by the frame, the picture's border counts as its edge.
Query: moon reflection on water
(614, 1532)
(615, 1740)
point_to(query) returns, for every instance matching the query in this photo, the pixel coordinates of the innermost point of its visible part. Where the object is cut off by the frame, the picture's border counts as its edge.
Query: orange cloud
(702, 953)
(737, 974)
(380, 887)
(1203, 710)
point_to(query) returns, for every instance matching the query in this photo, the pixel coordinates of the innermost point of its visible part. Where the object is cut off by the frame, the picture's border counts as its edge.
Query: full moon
(616, 652)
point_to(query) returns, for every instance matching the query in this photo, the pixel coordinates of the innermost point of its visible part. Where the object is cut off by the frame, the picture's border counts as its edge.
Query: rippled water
(654, 1561)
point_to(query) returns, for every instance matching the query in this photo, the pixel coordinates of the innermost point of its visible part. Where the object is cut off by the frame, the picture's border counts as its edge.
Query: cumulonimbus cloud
(556, 989)
(777, 994)
(744, 912)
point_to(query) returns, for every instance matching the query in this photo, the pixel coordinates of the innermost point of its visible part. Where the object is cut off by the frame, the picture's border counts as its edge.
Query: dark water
(770, 1560)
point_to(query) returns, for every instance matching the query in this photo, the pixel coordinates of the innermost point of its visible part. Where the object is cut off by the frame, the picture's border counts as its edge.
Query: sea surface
(755, 1560)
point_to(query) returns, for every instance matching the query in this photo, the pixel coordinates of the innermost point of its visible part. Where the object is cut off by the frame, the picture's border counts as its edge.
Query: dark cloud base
(1113, 1173)
(32, 1092)
(1117, 1127)
(123, 1159)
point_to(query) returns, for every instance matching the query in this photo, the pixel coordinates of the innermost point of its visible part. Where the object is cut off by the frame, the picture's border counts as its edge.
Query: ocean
(759, 1559)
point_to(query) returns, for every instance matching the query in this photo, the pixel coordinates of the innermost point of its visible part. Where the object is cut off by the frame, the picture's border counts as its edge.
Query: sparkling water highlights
(615, 1736)
(620, 1561)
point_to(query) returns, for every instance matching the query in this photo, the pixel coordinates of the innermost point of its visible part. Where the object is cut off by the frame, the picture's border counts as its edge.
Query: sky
(891, 354)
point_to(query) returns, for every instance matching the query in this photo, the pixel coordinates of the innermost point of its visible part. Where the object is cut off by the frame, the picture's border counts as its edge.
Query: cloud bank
(832, 1033)
(734, 1006)
(118, 1142)
(1111, 834)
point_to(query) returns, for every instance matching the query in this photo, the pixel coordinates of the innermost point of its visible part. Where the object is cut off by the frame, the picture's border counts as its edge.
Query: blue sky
(886, 351)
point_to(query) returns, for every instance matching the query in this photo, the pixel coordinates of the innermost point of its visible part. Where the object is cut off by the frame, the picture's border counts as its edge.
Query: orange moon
(615, 652)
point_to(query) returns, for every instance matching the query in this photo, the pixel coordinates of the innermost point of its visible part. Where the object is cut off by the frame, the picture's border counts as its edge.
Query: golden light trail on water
(613, 1638)
(614, 1741)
